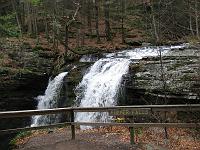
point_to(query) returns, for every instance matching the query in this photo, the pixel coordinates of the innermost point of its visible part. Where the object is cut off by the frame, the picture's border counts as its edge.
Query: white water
(49, 100)
(100, 85)
(88, 58)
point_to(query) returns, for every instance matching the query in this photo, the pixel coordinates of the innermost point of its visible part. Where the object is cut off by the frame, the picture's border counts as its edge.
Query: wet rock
(146, 44)
(72, 80)
(180, 74)
(24, 70)
(130, 42)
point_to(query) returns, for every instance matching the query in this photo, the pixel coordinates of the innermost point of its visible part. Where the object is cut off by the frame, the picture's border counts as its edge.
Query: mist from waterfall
(100, 85)
(49, 100)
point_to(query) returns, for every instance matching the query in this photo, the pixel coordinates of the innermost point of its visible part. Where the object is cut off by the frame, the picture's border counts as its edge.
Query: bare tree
(107, 19)
(14, 5)
(190, 17)
(89, 16)
(122, 19)
(96, 5)
(154, 24)
(67, 25)
(197, 18)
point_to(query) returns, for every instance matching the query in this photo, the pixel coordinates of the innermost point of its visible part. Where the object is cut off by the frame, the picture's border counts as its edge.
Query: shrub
(8, 26)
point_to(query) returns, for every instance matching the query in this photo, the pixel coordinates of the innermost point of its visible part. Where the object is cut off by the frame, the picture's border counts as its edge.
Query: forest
(66, 25)
(133, 65)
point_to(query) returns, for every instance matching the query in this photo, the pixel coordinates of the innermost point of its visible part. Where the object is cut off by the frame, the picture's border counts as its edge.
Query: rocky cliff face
(149, 82)
(177, 79)
(24, 74)
(71, 81)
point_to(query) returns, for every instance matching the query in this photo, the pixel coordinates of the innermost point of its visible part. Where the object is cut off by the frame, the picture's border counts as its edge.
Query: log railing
(73, 110)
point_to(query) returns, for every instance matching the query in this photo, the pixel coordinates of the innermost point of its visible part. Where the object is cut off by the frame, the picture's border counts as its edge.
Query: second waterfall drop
(49, 100)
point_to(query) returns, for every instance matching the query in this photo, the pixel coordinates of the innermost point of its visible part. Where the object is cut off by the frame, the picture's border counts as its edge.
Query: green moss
(180, 64)
(38, 48)
(20, 135)
(177, 65)
(1, 55)
(131, 42)
(4, 71)
(136, 67)
(16, 73)
(75, 76)
(83, 50)
(187, 77)
(25, 45)
(8, 70)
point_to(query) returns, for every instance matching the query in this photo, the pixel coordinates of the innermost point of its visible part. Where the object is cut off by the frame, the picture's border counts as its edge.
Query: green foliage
(35, 2)
(19, 136)
(8, 26)
(37, 48)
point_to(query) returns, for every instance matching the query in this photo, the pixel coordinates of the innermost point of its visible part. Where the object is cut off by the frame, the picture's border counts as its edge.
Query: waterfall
(49, 100)
(100, 85)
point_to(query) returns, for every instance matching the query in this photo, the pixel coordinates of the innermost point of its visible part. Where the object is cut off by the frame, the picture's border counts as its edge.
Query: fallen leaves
(186, 139)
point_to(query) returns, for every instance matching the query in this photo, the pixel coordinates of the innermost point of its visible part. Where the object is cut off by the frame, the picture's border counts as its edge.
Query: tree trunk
(82, 11)
(17, 15)
(66, 38)
(97, 20)
(190, 18)
(154, 24)
(46, 29)
(35, 24)
(163, 79)
(54, 31)
(107, 20)
(89, 17)
(78, 38)
(197, 19)
(122, 20)
(22, 16)
(30, 29)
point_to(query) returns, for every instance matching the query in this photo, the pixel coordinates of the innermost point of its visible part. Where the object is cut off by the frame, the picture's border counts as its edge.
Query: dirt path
(61, 140)
(114, 138)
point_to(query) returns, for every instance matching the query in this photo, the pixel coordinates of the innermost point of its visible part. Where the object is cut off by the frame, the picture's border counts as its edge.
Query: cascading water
(49, 100)
(100, 85)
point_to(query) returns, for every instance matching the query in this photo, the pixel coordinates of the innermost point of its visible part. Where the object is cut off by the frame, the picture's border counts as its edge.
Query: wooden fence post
(72, 126)
(132, 141)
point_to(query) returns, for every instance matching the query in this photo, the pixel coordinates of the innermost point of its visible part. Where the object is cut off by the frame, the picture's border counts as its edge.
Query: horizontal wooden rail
(136, 125)
(192, 107)
(177, 125)
(34, 128)
(72, 110)
(25, 113)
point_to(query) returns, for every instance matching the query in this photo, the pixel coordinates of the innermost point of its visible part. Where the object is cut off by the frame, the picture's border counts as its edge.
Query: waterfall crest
(49, 100)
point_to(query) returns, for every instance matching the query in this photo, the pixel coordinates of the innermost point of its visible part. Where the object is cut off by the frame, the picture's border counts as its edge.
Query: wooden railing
(73, 110)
